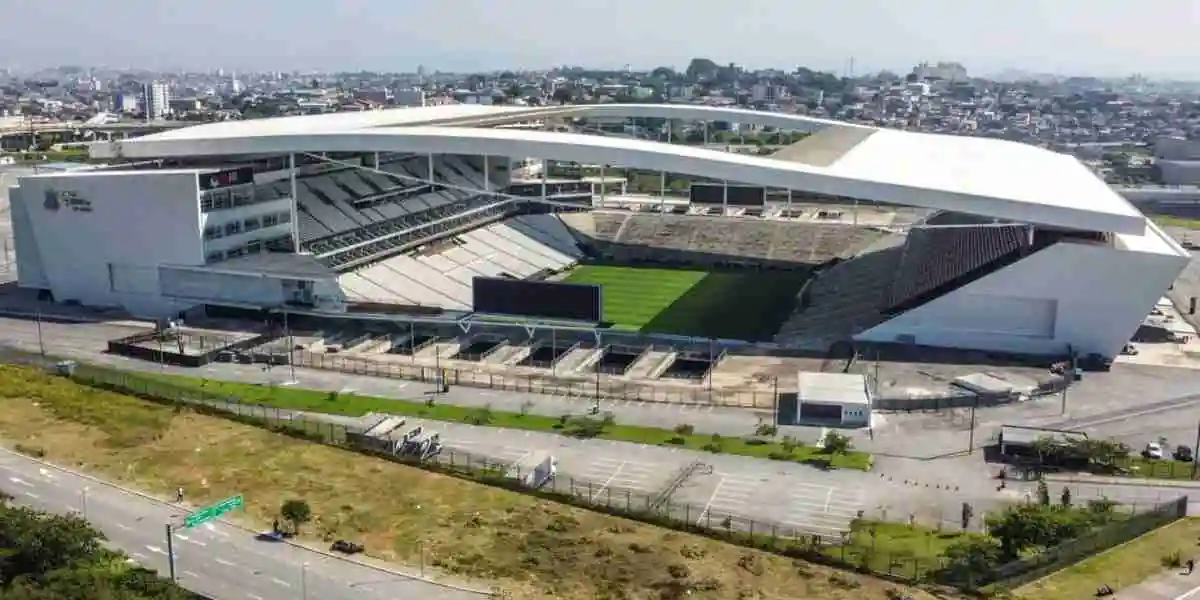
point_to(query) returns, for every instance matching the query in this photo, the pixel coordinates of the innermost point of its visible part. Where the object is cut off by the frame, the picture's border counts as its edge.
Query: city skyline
(1069, 37)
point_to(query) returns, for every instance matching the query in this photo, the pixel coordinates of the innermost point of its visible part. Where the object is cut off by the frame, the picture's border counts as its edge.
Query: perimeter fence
(849, 549)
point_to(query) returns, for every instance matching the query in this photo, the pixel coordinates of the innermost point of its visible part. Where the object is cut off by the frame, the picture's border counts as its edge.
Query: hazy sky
(1097, 37)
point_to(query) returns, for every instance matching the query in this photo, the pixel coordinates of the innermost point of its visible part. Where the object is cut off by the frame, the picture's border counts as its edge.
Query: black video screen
(537, 299)
(747, 195)
(739, 195)
(703, 193)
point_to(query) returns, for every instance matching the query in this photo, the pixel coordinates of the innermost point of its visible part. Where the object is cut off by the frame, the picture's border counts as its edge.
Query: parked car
(346, 547)
(1183, 453)
(1153, 451)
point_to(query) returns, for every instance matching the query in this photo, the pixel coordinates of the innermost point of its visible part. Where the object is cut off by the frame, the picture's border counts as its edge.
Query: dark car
(1183, 453)
(346, 547)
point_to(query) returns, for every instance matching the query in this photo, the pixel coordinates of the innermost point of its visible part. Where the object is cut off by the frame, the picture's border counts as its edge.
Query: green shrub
(685, 429)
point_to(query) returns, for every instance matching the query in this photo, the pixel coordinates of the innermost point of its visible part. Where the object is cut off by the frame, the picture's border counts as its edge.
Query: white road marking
(1188, 594)
(122, 527)
(610, 479)
(280, 582)
(156, 550)
(191, 574)
(708, 504)
(222, 561)
(180, 536)
(32, 495)
(20, 481)
(139, 555)
(828, 499)
(213, 528)
(46, 474)
(198, 543)
(253, 597)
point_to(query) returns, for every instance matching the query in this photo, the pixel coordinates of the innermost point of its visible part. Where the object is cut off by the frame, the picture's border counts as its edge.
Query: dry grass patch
(532, 548)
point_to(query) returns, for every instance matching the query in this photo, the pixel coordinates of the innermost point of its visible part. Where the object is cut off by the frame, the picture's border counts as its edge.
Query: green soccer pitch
(741, 305)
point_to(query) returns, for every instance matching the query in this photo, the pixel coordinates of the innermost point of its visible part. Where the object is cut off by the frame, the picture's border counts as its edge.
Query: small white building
(843, 399)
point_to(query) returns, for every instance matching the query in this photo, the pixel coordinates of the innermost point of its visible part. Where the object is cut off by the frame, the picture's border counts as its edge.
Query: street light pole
(287, 332)
(83, 500)
(170, 554)
(304, 581)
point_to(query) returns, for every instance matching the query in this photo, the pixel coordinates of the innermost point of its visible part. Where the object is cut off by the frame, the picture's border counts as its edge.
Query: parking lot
(709, 488)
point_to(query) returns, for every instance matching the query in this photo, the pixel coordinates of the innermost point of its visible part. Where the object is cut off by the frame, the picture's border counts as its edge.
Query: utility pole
(971, 441)
(41, 342)
(1195, 449)
(170, 554)
(287, 332)
(304, 581)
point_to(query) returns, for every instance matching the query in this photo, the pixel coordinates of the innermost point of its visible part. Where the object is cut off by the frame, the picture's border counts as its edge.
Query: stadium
(402, 229)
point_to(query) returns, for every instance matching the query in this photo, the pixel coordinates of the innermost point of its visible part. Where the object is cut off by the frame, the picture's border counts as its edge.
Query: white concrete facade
(1091, 298)
(101, 241)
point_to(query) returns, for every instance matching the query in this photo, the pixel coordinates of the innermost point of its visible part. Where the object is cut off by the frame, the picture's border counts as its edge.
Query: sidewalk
(1171, 584)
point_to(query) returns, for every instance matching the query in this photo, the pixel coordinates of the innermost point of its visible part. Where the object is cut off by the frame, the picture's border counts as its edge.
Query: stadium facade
(1027, 250)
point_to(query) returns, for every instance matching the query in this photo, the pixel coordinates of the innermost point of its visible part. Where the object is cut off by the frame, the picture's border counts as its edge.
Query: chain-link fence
(848, 549)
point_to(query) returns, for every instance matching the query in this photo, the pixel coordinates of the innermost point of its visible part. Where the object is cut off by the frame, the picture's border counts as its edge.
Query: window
(285, 217)
(254, 247)
(212, 232)
(270, 220)
(213, 257)
(250, 224)
(233, 228)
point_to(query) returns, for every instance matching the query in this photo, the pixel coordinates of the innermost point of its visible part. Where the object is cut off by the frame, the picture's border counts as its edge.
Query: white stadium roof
(995, 178)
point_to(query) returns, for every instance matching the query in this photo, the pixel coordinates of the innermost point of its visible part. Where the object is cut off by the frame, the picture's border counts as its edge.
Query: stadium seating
(843, 300)
(441, 275)
(935, 258)
(691, 238)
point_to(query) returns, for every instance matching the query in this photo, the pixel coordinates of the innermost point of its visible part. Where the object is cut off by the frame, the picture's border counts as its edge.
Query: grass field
(743, 304)
(1120, 567)
(530, 548)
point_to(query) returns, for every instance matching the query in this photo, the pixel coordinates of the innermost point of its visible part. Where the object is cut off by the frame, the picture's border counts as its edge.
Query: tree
(1046, 448)
(297, 512)
(835, 443)
(1043, 492)
(1066, 497)
(700, 68)
(970, 559)
(967, 513)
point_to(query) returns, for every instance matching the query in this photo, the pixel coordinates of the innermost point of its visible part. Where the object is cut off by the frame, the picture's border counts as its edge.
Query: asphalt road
(216, 559)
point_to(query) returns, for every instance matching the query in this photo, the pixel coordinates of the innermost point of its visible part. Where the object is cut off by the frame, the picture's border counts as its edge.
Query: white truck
(534, 470)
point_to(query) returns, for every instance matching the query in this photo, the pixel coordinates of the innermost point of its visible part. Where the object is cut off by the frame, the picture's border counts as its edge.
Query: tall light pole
(83, 500)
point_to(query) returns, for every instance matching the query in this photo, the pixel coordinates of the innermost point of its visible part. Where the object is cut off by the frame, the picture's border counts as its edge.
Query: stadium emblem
(51, 202)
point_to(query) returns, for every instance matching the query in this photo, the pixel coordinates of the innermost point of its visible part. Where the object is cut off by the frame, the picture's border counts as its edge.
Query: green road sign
(213, 511)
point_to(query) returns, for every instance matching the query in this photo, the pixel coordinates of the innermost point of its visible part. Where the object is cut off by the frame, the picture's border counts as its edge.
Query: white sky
(1092, 37)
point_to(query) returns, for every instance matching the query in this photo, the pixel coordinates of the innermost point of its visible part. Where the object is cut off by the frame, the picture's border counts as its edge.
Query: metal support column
(294, 204)
(376, 165)
(432, 179)
(787, 211)
(602, 187)
(487, 175)
(724, 198)
(545, 174)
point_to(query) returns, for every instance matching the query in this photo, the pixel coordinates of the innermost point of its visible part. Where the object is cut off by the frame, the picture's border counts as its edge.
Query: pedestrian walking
(179, 496)
(1191, 566)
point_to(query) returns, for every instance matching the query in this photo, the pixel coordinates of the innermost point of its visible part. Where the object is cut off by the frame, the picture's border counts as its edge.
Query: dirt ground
(528, 547)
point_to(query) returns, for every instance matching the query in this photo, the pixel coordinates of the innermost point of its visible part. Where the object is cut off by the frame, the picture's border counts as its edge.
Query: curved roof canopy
(995, 178)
